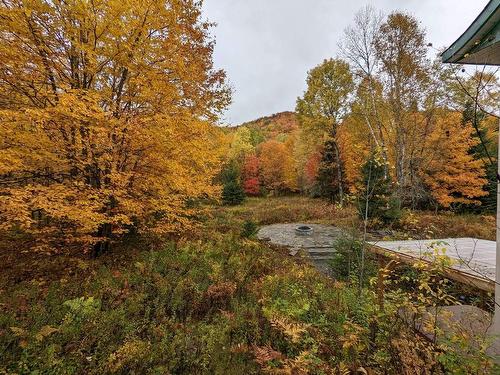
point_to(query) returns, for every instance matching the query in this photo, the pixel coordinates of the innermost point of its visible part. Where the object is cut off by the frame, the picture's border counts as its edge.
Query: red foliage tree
(250, 175)
(252, 186)
(311, 168)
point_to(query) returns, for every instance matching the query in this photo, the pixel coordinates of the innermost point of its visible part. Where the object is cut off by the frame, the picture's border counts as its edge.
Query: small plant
(349, 263)
(81, 308)
(249, 229)
(230, 306)
(417, 300)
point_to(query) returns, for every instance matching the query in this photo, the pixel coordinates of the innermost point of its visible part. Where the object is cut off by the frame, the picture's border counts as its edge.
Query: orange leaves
(251, 186)
(312, 168)
(272, 157)
(265, 354)
(452, 174)
(251, 167)
(354, 143)
(103, 116)
(438, 165)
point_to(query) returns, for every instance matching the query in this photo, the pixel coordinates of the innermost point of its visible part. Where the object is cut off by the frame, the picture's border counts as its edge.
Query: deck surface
(471, 256)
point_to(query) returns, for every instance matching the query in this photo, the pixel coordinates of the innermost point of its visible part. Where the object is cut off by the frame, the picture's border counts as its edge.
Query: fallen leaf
(44, 332)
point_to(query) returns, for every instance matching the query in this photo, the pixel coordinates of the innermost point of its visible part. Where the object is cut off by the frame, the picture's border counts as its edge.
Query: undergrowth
(225, 304)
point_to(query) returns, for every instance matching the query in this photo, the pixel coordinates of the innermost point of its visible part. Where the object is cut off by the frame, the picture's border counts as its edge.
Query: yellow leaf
(44, 332)
(19, 332)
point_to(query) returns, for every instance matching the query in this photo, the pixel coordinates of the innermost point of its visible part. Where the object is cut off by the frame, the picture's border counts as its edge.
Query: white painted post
(496, 325)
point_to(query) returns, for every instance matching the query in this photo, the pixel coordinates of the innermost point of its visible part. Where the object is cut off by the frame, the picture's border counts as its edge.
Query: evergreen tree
(329, 180)
(376, 199)
(321, 110)
(232, 191)
(489, 202)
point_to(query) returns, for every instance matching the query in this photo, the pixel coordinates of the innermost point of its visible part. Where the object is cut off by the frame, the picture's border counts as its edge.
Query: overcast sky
(267, 46)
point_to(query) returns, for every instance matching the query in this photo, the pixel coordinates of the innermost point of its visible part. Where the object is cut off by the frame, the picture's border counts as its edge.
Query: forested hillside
(451, 137)
(271, 127)
(384, 111)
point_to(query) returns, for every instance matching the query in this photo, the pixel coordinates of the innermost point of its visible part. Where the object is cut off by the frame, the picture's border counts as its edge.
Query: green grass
(195, 308)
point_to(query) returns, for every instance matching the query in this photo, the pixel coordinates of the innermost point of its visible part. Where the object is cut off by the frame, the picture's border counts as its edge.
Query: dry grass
(21, 263)
(424, 224)
(295, 209)
(271, 210)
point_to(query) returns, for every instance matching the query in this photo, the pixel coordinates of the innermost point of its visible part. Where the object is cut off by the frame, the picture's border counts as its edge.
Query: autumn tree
(290, 172)
(398, 92)
(250, 175)
(477, 96)
(273, 157)
(356, 146)
(359, 49)
(240, 143)
(401, 98)
(106, 113)
(401, 50)
(311, 169)
(321, 110)
(448, 169)
(478, 92)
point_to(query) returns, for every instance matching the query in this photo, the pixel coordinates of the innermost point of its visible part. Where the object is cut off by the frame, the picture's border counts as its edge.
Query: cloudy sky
(267, 46)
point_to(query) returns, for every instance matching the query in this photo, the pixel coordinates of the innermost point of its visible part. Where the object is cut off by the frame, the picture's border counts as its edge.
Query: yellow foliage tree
(240, 144)
(443, 169)
(450, 171)
(354, 143)
(106, 116)
(276, 166)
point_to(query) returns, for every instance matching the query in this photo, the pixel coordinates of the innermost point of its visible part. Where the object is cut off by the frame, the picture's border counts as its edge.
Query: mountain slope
(273, 126)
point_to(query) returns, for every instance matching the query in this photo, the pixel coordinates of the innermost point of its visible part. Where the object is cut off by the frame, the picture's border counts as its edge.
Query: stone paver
(318, 245)
(323, 236)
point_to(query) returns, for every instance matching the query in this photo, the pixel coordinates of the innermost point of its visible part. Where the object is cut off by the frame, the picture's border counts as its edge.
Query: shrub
(252, 186)
(352, 261)
(177, 310)
(225, 306)
(249, 229)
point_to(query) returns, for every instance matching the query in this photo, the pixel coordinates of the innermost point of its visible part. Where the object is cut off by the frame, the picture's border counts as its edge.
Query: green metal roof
(480, 43)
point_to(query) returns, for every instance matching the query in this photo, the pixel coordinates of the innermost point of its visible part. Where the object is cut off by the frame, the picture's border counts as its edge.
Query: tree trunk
(339, 172)
(378, 120)
(103, 245)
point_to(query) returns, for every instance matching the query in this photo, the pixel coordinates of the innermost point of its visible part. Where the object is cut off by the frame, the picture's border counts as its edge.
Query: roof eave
(486, 23)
